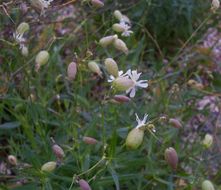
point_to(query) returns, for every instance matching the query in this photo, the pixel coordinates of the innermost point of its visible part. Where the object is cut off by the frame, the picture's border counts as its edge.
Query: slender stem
(87, 171)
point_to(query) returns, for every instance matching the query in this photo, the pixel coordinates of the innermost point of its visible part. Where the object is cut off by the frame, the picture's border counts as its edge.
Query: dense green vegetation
(175, 44)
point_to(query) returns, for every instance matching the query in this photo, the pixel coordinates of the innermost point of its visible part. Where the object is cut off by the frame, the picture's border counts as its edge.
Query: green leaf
(115, 177)
(10, 125)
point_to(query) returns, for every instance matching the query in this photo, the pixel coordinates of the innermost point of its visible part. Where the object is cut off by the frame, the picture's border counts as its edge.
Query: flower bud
(121, 98)
(208, 140)
(24, 51)
(89, 140)
(194, 84)
(118, 28)
(105, 41)
(122, 83)
(12, 160)
(215, 5)
(171, 157)
(49, 166)
(120, 45)
(93, 66)
(175, 123)
(111, 67)
(84, 185)
(58, 151)
(134, 138)
(97, 3)
(207, 185)
(41, 59)
(32, 97)
(118, 15)
(72, 71)
(22, 28)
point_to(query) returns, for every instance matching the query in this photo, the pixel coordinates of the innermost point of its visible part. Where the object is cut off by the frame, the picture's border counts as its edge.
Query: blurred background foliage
(167, 46)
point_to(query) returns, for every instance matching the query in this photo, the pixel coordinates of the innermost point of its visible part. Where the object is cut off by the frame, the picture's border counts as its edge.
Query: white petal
(133, 92)
(144, 119)
(137, 118)
(142, 84)
(120, 73)
(135, 75)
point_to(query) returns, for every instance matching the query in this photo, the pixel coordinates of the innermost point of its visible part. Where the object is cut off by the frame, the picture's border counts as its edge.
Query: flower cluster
(129, 81)
(19, 37)
(124, 24)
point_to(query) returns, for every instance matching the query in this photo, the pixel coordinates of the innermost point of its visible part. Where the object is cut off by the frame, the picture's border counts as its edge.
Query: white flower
(45, 3)
(126, 27)
(141, 123)
(19, 37)
(134, 76)
(41, 5)
(120, 74)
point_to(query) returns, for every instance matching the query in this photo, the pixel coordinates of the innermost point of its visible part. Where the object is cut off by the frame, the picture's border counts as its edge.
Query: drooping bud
(89, 140)
(171, 157)
(111, 67)
(118, 15)
(120, 45)
(122, 83)
(32, 97)
(105, 41)
(121, 98)
(84, 185)
(215, 5)
(12, 160)
(134, 138)
(208, 140)
(22, 28)
(41, 59)
(207, 185)
(49, 166)
(118, 28)
(24, 51)
(58, 151)
(93, 66)
(97, 3)
(175, 123)
(194, 84)
(72, 71)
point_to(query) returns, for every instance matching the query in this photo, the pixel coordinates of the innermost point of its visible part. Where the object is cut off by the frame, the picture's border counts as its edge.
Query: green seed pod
(111, 67)
(215, 5)
(72, 71)
(12, 160)
(24, 51)
(42, 58)
(134, 138)
(49, 166)
(120, 45)
(118, 28)
(22, 28)
(118, 15)
(208, 140)
(207, 185)
(105, 41)
(97, 3)
(122, 83)
(171, 157)
(84, 185)
(93, 66)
